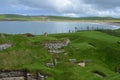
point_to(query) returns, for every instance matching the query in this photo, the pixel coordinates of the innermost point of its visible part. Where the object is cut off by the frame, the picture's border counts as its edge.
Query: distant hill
(15, 17)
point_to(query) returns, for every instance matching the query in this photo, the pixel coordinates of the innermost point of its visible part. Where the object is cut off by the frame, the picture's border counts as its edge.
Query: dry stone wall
(4, 46)
(19, 75)
(55, 46)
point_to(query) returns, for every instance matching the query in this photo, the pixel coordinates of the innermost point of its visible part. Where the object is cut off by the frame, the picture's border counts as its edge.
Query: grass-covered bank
(101, 48)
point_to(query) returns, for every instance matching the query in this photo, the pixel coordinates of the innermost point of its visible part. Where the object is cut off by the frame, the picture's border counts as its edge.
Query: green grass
(100, 48)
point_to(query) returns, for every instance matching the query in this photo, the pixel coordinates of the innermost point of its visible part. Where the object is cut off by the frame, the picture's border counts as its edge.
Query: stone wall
(53, 46)
(56, 44)
(19, 75)
(12, 75)
(4, 46)
(13, 78)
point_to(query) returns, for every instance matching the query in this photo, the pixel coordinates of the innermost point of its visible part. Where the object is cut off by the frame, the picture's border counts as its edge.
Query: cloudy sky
(72, 8)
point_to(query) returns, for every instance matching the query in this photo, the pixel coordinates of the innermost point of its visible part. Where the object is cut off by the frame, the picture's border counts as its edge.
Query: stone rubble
(4, 46)
(55, 46)
(20, 75)
(13, 78)
(82, 64)
(50, 65)
(72, 60)
(55, 51)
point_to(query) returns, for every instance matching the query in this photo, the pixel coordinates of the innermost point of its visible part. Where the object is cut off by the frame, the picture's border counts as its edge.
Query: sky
(69, 8)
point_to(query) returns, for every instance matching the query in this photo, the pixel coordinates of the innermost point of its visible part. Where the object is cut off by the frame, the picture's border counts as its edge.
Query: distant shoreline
(85, 21)
(92, 19)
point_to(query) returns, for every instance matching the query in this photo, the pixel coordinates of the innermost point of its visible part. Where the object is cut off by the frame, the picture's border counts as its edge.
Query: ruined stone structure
(55, 46)
(50, 65)
(20, 75)
(55, 51)
(82, 64)
(12, 75)
(4, 46)
(72, 60)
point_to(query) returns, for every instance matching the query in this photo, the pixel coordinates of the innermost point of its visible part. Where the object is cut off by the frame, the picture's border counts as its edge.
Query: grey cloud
(104, 4)
(40, 4)
(66, 7)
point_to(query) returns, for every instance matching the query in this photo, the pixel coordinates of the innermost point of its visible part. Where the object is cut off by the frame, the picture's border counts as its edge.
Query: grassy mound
(100, 48)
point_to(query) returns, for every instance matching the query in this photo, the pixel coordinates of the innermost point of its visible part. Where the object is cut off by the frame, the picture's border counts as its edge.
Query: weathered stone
(12, 75)
(99, 74)
(4, 46)
(55, 51)
(72, 60)
(20, 75)
(56, 44)
(51, 65)
(40, 77)
(31, 76)
(13, 78)
(53, 46)
(82, 64)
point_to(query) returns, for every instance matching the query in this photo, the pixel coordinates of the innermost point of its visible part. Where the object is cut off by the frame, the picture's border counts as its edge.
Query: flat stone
(13, 78)
(99, 74)
(4, 46)
(72, 60)
(82, 64)
(51, 65)
(55, 51)
(40, 77)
